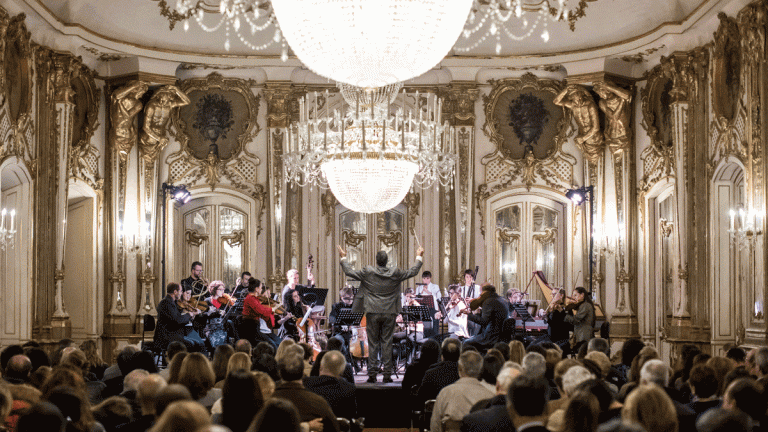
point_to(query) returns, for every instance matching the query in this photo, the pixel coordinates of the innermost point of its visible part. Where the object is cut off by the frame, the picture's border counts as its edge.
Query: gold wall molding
(725, 83)
(328, 202)
(459, 103)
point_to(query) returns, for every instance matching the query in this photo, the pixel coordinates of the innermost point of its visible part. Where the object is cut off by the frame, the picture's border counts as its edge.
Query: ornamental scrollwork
(549, 236)
(391, 239)
(193, 238)
(351, 238)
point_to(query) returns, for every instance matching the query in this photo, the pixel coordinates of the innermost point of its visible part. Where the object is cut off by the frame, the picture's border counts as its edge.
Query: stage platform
(384, 406)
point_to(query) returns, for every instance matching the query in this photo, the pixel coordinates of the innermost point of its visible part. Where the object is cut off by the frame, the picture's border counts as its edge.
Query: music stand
(413, 314)
(347, 317)
(426, 300)
(312, 295)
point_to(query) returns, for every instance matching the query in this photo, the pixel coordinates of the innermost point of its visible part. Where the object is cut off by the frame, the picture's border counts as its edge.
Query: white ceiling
(611, 27)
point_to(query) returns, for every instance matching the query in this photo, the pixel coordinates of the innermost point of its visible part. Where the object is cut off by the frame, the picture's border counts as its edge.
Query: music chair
(429, 407)
(451, 425)
(508, 330)
(158, 353)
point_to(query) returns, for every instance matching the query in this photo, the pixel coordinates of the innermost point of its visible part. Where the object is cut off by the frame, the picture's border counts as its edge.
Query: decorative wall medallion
(520, 116)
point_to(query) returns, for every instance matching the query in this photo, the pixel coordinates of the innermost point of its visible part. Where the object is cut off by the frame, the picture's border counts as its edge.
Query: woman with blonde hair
(175, 367)
(266, 384)
(91, 351)
(238, 361)
(650, 407)
(516, 351)
(283, 347)
(182, 416)
(197, 376)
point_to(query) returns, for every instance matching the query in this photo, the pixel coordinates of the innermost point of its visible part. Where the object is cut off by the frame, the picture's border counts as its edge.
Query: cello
(358, 343)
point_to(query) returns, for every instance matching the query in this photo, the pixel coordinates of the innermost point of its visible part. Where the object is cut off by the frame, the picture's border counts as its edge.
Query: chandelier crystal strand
(371, 43)
(372, 150)
(515, 19)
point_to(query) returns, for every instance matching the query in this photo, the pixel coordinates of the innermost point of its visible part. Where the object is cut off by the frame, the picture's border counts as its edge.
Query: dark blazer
(440, 375)
(309, 404)
(339, 393)
(170, 323)
(492, 419)
(379, 286)
(583, 322)
(492, 319)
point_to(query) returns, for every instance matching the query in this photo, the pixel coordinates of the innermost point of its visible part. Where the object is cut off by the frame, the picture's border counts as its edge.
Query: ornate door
(528, 236)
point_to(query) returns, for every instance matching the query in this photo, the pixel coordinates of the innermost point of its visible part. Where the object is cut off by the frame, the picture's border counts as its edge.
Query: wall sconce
(7, 229)
(136, 237)
(745, 226)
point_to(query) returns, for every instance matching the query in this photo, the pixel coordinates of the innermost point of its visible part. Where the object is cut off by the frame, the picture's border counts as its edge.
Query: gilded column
(281, 99)
(456, 205)
(152, 140)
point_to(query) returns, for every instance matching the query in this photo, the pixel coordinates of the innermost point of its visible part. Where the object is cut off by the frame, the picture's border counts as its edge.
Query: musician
(171, 322)
(457, 321)
(221, 303)
(258, 319)
(293, 280)
(469, 291)
(380, 288)
(197, 323)
(494, 312)
(583, 319)
(558, 329)
(428, 288)
(241, 287)
(195, 281)
(340, 331)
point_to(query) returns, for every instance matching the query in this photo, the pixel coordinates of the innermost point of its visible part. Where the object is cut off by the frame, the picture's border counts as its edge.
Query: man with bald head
(493, 417)
(18, 369)
(455, 400)
(311, 406)
(339, 392)
(147, 392)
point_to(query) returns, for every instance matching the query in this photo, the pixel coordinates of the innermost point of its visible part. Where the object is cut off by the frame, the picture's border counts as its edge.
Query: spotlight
(578, 195)
(179, 193)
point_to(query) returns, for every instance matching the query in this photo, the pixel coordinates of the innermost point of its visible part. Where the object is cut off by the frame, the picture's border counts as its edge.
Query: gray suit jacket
(583, 322)
(379, 286)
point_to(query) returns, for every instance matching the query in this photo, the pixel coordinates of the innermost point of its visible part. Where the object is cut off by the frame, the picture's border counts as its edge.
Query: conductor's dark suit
(494, 312)
(170, 323)
(380, 291)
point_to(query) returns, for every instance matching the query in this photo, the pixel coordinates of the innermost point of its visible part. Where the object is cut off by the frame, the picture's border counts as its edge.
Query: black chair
(507, 330)
(429, 407)
(157, 352)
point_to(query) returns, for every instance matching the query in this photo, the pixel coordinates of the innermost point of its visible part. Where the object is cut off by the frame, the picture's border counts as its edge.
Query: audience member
(17, 369)
(91, 351)
(723, 420)
(704, 387)
(429, 354)
(241, 400)
(131, 384)
(168, 395)
(503, 348)
(534, 365)
(746, 396)
(455, 400)
(37, 356)
(572, 378)
(174, 348)
(74, 406)
(737, 356)
(656, 372)
(629, 350)
(492, 365)
(266, 384)
(310, 405)
(491, 415)
(43, 416)
(175, 367)
(243, 345)
(649, 406)
(526, 403)
(516, 351)
(220, 360)
(442, 373)
(113, 411)
(147, 394)
(581, 413)
(197, 376)
(182, 416)
(277, 415)
(339, 393)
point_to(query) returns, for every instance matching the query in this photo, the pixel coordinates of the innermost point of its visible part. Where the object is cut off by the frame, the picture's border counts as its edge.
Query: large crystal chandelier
(371, 43)
(371, 150)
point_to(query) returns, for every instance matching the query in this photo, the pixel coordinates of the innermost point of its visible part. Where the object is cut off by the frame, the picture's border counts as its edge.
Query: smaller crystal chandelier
(7, 229)
(515, 19)
(372, 150)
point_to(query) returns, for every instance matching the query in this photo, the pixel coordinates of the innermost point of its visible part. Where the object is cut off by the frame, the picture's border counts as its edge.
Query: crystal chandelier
(745, 226)
(515, 20)
(7, 229)
(372, 150)
(371, 43)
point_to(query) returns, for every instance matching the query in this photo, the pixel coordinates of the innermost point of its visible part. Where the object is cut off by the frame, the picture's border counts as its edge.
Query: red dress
(253, 309)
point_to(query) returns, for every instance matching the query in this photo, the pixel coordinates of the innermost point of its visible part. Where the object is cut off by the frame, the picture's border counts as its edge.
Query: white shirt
(457, 324)
(431, 289)
(455, 401)
(472, 291)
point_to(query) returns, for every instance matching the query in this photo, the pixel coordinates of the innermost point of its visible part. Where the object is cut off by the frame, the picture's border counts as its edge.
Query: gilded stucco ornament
(726, 70)
(582, 105)
(125, 105)
(615, 103)
(157, 117)
(328, 202)
(83, 163)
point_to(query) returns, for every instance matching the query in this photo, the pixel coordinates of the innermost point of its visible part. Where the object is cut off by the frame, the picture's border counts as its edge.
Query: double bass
(306, 326)
(358, 343)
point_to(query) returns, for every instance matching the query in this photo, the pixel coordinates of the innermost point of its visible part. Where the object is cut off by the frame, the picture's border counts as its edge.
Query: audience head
(505, 377)
(148, 391)
(43, 416)
(241, 400)
(560, 370)
(283, 347)
(451, 349)
(430, 352)
(527, 397)
(575, 376)
(168, 395)
(91, 351)
(761, 361)
(243, 346)
(124, 359)
(197, 375)
(647, 353)
(516, 351)
(745, 395)
(333, 364)
(18, 368)
(266, 384)
(175, 367)
(112, 412)
(174, 348)
(8, 353)
(703, 381)
(492, 365)
(723, 420)
(133, 380)
(734, 374)
(277, 415)
(470, 364)
(238, 361)
(737, 355)
(721, 366)
(649, 406)
(600, 390)
(503, 348)
(534, 365)
(655, 372)
(37, 356)
(601, 360)
(182, 416)
(334, 344)
(220, 360)
(290, 366)
(262, 348)
(629, 350)
(581, 413)
(73, 404)
(599, 344)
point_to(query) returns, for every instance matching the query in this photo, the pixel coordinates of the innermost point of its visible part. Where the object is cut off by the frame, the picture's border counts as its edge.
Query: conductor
(380, 289)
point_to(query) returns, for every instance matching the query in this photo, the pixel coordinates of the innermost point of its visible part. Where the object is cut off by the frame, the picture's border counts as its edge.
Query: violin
(185, 307)
(276, 307)
(476, 303)
(225, 300)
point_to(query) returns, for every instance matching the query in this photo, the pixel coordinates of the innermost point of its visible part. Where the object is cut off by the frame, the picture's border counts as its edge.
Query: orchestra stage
(384, 406)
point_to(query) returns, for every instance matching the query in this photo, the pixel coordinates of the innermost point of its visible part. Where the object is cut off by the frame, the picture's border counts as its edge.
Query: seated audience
(339, 393)
(277, 415)
(147, 394)
(91, 351)
(745, 396)
(241, 400)
(429, 354)
(703, 386)
(197, 376)
(220, 360)
(526, 403)
(581, 413)
(516, 351)
(454, 401)
(168, 395)
(442, 373)
(656, 372)
(73, 404)
(43, 416)
(113, 411)
(723, 420)
(182, 416)
(174, 348)
(492, 417)
(649, 406)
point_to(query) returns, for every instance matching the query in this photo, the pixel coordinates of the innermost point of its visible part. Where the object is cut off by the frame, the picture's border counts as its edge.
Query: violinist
(258, 318)
(582, 316)
(457, 322)
(494, 312)
(558, 329)
(171, 321)
(221, 304)
(470, 290)
(187, 305)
